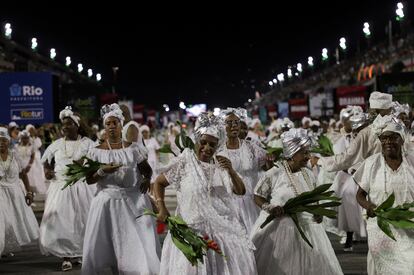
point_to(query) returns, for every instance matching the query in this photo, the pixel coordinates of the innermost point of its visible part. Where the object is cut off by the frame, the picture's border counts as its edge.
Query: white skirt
(115, 239)
(36, 176)
(239, 258)
(349, 212)
(64, 219)
(386, 256)
(281, 250)
(20, 226)
(247, 210)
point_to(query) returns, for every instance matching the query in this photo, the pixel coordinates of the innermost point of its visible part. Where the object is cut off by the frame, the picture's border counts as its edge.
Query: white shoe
(66, 265)
(343, 240)
(348, 249)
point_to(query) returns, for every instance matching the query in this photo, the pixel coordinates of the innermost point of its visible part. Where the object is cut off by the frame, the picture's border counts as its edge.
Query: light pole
(367, 33)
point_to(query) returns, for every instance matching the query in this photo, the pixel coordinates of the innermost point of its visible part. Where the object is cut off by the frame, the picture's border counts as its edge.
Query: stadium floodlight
(310, 61)
(400, 11)
(366, 30)
(98, 77)
(281, 77)
(90, 73)
(289, 72)
(68, 61)
(325, 54)
(80, 67)
(182, 105)
(274, 80)
(270, 83)
(342, 43)
(8, 30)
(299, 67)
(34, 43)
(52, 53)
(249, 100)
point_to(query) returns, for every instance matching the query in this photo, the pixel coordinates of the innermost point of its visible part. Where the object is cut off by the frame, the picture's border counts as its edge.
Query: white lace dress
(115, 237)
(205, 202)
(386, 256)
(36, 173)
(247, 161)
(64, 219)
(279, 247)
(19, 222)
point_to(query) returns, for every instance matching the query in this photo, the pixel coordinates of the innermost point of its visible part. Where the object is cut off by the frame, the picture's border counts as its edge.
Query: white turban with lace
(67, 112)
(389, 123)
(112, 110)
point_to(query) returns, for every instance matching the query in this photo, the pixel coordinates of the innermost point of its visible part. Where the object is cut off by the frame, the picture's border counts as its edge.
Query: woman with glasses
(247, 160)
(383, 174)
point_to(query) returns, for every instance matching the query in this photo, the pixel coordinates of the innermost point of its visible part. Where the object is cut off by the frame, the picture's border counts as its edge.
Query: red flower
(161, 227)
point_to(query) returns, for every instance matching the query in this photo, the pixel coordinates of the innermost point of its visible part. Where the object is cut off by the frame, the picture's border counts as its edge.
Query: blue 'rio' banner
(26, 98)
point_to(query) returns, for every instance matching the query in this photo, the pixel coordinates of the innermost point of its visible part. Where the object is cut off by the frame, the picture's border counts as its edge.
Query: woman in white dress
(116, 239)
(205, 186)
(66, 211)
(247, 160)
(36, 173)
(152, 146)
(25, 153)
(391, 171)
(279, 247)
(19, 222)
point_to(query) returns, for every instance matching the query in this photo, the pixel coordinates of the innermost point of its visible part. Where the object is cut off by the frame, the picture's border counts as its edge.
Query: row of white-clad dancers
(111, 236)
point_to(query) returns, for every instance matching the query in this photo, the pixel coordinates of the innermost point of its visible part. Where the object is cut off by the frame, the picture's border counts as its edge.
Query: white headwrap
(306, 119)
(358, 119)
(241, 113)
(29, 126)
(24, 133)
(4, 133)
(144, 128)
(67, 112)
(379, 100)
(253, 122)
(209, 124)
(398, 108)
(332, 121)
(315, 123)
(13, 124)
(294, 140)
(126, 127)
(349, 111)
(389, 123)
(284, 123)
(112, 110)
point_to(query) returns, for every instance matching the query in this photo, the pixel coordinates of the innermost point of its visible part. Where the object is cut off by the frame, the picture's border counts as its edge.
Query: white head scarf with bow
(67, 112)
(112, 110)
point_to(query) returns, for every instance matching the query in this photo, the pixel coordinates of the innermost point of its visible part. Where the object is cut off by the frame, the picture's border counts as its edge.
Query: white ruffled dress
(205, 201)
(247, 161)
(18, 223)
(279, 247)
(64, 219)
(117, 239)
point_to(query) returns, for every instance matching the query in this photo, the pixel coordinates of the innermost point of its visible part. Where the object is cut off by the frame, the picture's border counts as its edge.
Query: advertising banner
(350, 95)
(298, 108)
(26, 98)
(400, 85)
(321, 104)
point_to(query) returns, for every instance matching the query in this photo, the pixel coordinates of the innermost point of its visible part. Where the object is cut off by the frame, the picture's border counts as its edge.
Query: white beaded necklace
(5, 167)
(292, 180)
(74, 148)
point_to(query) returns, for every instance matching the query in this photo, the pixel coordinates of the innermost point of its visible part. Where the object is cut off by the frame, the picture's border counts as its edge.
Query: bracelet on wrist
(101, 172)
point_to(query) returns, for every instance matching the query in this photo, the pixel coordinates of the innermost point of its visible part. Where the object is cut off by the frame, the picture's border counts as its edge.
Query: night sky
(197, 57)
